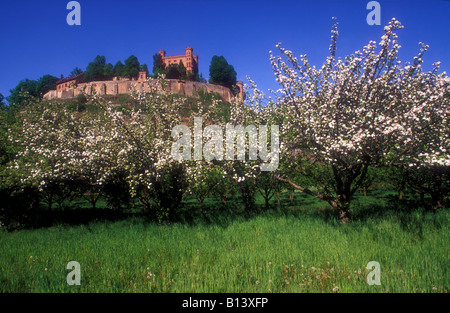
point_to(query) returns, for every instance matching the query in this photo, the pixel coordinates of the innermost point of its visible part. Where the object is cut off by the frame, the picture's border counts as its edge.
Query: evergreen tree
(108, 71)
(17, 99)
(221, 73)
(96, 69)
(173, 72)
(182, 70)
(76, 71)
(144, 68)
(159, 67)
(46, 83)
(119, 69)
(132, 67)
(2, 103)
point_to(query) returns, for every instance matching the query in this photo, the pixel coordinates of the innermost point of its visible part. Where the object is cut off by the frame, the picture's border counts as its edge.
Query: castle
(189, 60)
(73, 86)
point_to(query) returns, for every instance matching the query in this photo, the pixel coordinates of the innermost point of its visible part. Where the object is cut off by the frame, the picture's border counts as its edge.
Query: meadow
(295, 247)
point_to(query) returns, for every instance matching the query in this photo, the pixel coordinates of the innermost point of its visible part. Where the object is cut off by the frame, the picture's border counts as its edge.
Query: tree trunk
(437, 200)
(422, 198)
(200, 202)
(266, 199)
(224, 196)
(343, 214)
(342, 205)
(247, 196)
(400, 194)
(93, 200)
(144, 204)
(50, 201)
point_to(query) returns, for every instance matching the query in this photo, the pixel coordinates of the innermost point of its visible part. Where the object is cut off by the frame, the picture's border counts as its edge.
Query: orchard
(343, 125)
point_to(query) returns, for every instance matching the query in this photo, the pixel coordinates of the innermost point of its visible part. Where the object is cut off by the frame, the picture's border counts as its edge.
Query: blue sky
(36, 39)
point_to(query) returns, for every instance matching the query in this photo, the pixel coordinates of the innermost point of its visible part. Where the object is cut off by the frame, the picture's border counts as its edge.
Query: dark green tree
(132, 67)
(176, 71)
(96, 69)
(76, 71)
(17, 97)
(182, 70)
(108, 71)
(119, 69)
(2, 103)
(159, 67)
(221, 73)
(144, 68)
(173, 72)
(196, 77)
(46, 83)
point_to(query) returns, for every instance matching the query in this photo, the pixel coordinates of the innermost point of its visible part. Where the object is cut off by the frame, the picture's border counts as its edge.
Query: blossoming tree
(48, 152)
(364, 110)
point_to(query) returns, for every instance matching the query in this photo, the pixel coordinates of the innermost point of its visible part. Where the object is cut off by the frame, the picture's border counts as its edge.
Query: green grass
(281, 250)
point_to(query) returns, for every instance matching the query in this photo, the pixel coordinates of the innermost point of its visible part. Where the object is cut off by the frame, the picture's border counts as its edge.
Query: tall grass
(288, 250)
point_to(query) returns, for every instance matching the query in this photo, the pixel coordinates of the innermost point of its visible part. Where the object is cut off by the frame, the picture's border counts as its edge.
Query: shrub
(18, 207)
(116, 192)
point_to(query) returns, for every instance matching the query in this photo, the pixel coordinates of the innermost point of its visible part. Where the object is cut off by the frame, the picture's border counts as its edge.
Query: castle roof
(66, 79)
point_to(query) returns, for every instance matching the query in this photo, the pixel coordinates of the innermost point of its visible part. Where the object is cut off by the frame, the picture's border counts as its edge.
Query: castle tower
(191, 61)
(142, 76)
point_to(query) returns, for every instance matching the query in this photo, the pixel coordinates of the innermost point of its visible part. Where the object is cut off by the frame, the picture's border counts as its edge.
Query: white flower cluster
(364, 106)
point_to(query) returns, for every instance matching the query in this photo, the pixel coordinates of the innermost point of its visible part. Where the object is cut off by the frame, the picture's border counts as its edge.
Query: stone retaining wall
(114, 87)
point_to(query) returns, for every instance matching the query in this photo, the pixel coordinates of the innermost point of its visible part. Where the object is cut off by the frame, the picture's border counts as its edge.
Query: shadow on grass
(376, 206)
(380, 203)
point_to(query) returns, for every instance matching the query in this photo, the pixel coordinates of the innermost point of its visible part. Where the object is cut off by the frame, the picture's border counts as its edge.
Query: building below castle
(68, 82)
